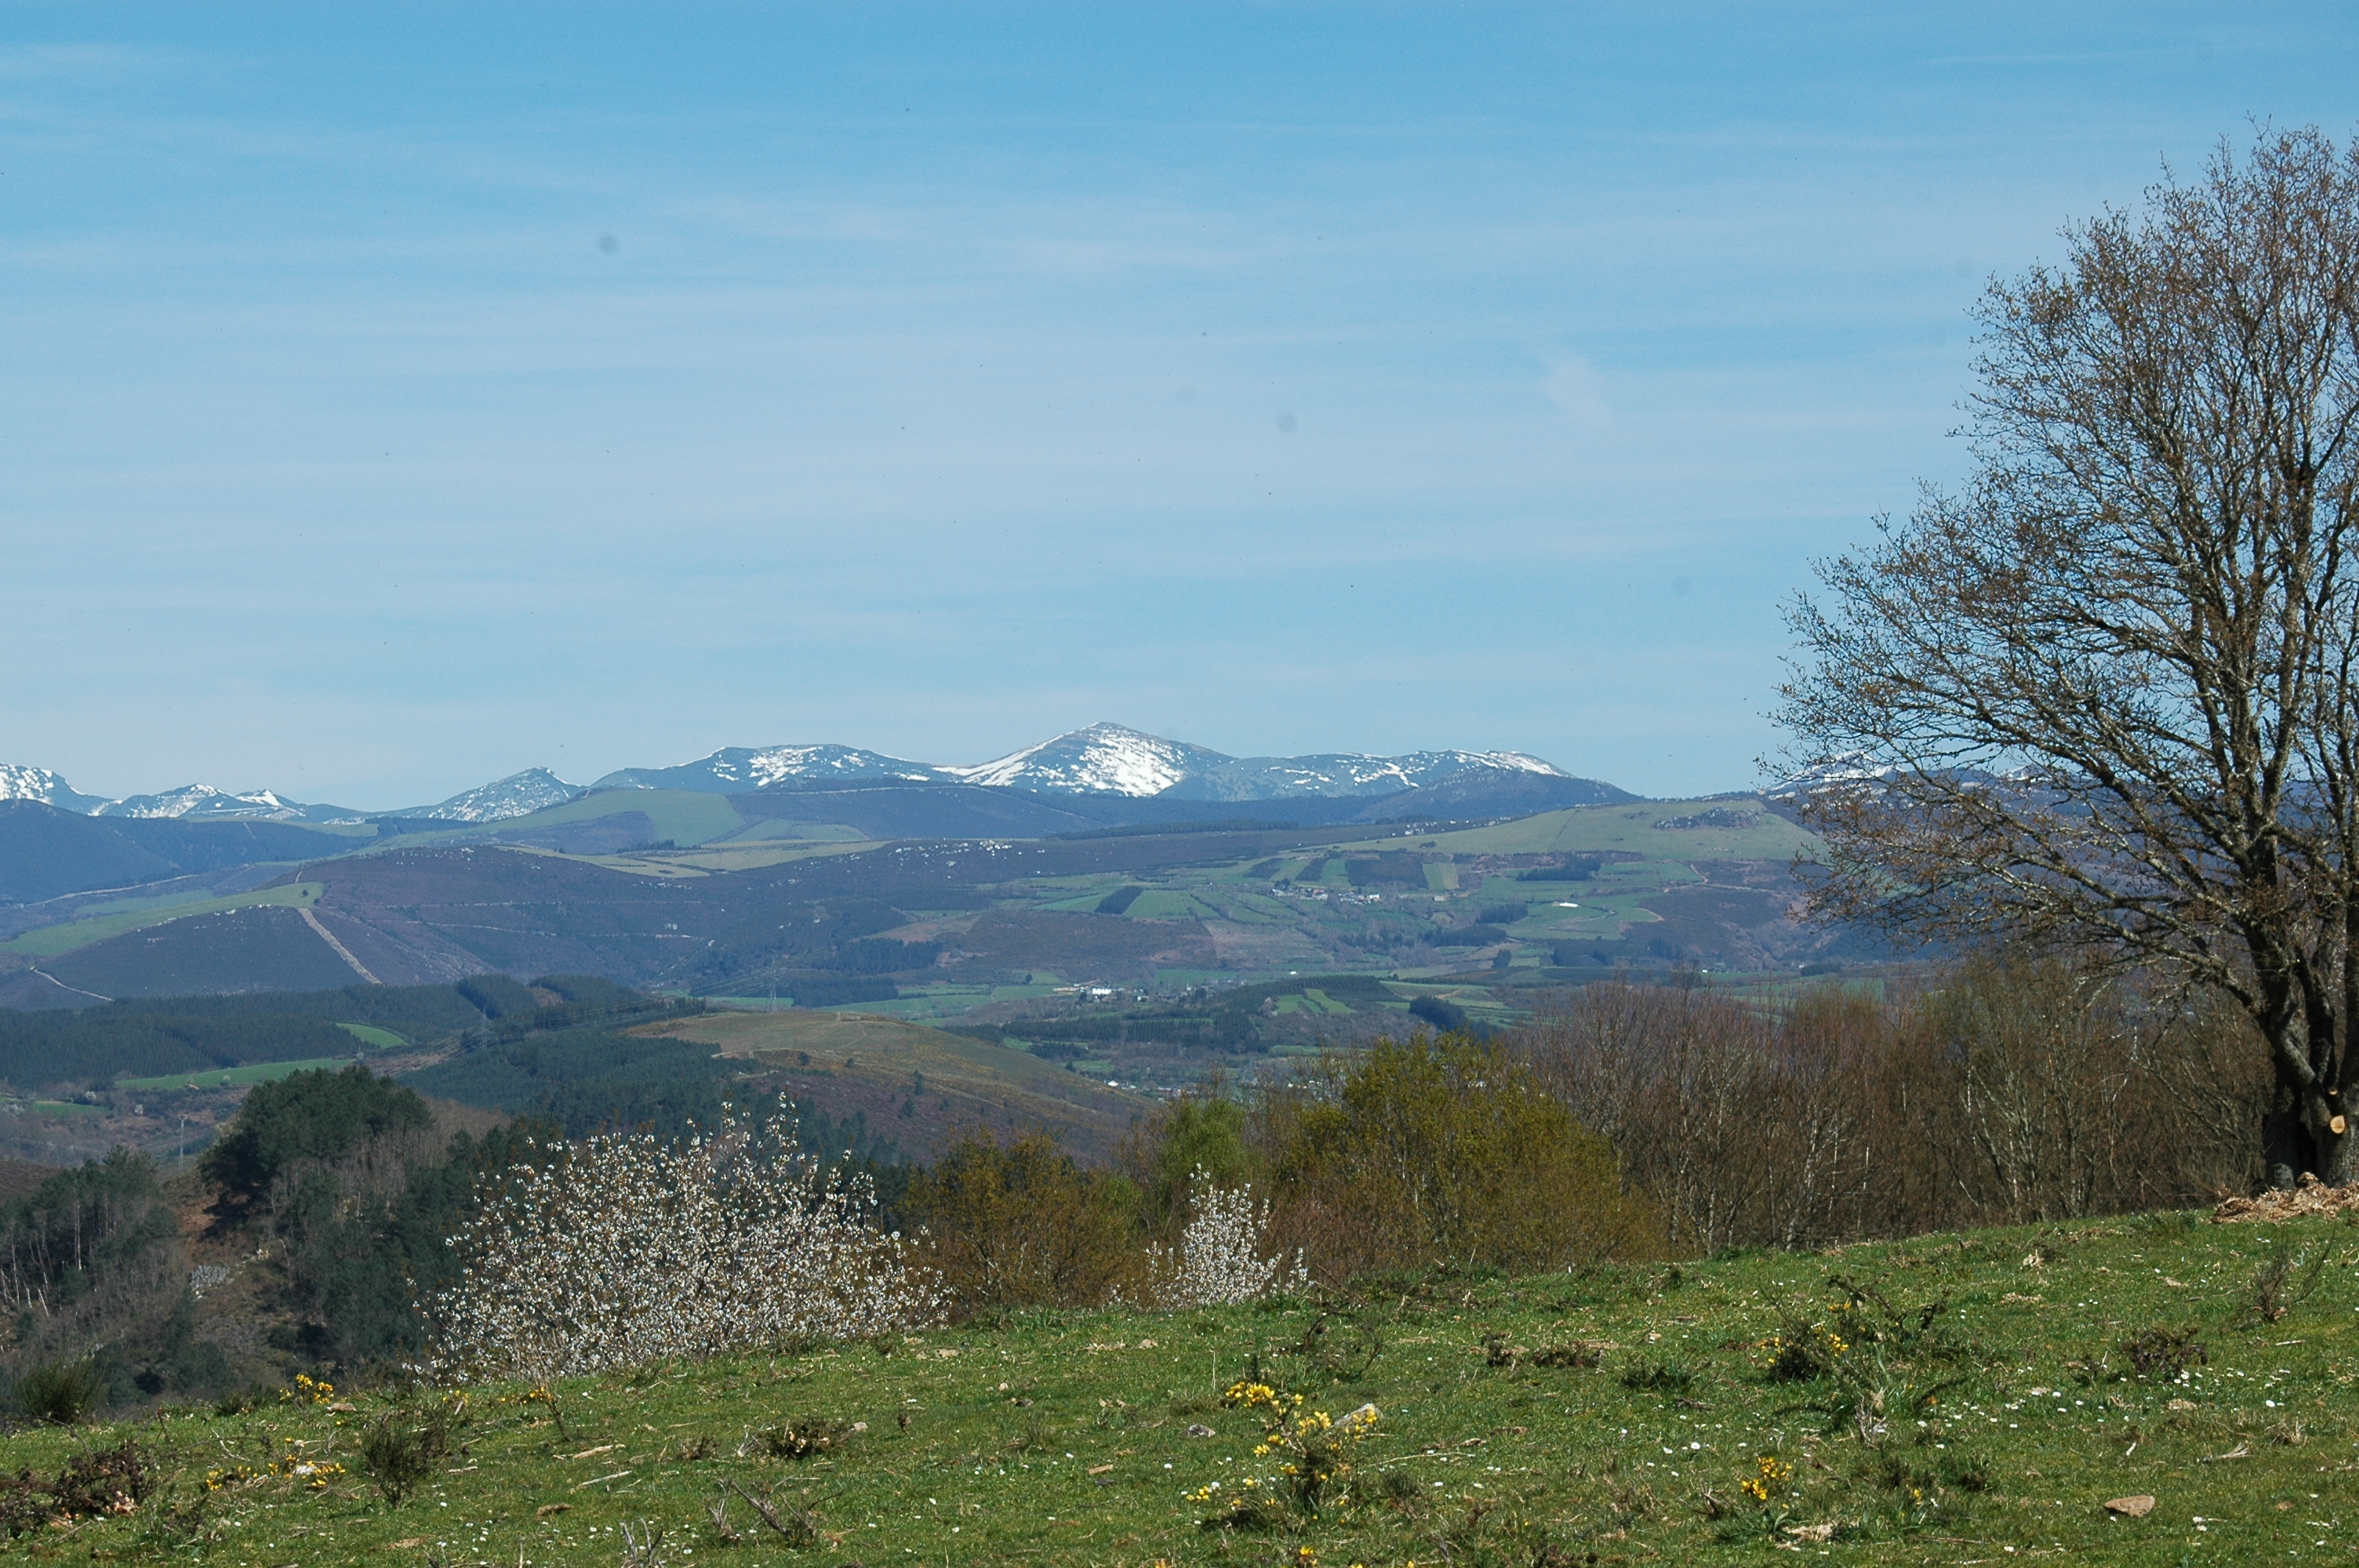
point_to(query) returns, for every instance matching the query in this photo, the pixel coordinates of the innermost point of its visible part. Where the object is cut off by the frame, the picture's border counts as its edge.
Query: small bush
(94, 1484)
(1580, 1354)
(2278, 1286)
(103, 1481)
(1802, 1351)
(1647, 1375)
(63, 1392)
(2164, 1352)
(1312, 1450)
(403, 1449)
(1329, 1357)
(1220, 1258)
(802, 1438)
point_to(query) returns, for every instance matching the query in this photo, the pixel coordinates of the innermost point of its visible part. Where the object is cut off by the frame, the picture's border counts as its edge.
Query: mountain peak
(518, 794)
(1098, 759)
(18, 782)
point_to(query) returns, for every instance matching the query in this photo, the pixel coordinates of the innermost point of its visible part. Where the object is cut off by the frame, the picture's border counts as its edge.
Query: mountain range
(1099, 760)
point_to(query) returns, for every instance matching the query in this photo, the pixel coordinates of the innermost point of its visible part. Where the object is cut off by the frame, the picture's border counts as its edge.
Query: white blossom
(623, 1248)
(1218, 1260)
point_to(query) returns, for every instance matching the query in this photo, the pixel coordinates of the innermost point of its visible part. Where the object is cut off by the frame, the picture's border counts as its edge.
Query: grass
(52, 941)
(370, 1034)
(1595, 828)
(869, 1063)
(1614, 1416)
(224, 1078)
(730, 854)
(687, 818)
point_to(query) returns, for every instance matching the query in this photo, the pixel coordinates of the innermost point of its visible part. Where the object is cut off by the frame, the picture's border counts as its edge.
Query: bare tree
(2103, 697)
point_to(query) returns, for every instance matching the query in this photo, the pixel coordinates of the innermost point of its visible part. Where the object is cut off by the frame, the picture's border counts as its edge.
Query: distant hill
(518, 794)
(1101, 763)
(1109, 759)
(46, 852)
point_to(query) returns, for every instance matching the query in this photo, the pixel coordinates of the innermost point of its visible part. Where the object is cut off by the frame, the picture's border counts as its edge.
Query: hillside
(687, 891)
(918, 1085)
(1618, 1415)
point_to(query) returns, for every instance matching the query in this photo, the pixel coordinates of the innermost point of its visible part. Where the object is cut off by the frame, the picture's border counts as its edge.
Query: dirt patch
(2306, 1197)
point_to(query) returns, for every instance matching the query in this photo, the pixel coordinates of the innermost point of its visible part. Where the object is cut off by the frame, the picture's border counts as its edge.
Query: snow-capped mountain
(190, 802)
(736, 769)
(200, 802)
(518, 794)
(20, 782)
(1103, 759)
(1349, 773)
(1100, 760)
(1110, 759)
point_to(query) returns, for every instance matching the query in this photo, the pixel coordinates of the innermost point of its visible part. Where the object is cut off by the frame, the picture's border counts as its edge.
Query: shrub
(95, 1483)
(622, 1250)
(1023, 1226)
(1221, 1257)
(1442, 1154)
(402, 1449)
(2279, 1285)
(1312, 1450)
(1649, 1376)
(63, 1392)
(801, 1439)
(1168, 1154)
(2165, 1353)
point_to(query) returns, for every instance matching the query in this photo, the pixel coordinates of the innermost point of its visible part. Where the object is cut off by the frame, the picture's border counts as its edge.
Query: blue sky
(396, 398)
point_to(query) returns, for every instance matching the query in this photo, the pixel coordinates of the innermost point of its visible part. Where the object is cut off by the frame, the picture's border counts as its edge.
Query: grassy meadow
(52, 941)
(1971, 1398)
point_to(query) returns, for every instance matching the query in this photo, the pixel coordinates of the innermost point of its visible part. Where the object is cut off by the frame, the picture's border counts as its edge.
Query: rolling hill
(687, 890)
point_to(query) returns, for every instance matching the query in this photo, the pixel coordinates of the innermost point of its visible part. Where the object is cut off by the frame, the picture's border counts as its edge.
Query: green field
(687, 818)
(229, 1077)
(50, 941)
(381, 1039)
(2010, 1416)
(1591, 828)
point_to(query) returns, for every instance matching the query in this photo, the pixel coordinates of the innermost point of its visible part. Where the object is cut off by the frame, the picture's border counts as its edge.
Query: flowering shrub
(1312, 1450)
(1771, 1477)
(623, 1249)
(315, 1474)
(1801, 1349)
(1218, 1260)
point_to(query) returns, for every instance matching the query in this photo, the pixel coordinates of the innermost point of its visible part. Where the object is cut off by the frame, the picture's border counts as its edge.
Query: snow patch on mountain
(793, 765)
(736, 769)
(1103, 759)
(518, 794)
(1348, 773)
(18, 782)
(203, 802)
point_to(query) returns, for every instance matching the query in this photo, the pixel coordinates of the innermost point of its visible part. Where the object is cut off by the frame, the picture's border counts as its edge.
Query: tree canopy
(2102, 696)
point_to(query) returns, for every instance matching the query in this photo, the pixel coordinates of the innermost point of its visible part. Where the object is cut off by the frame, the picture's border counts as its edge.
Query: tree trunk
(2285, 1146)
